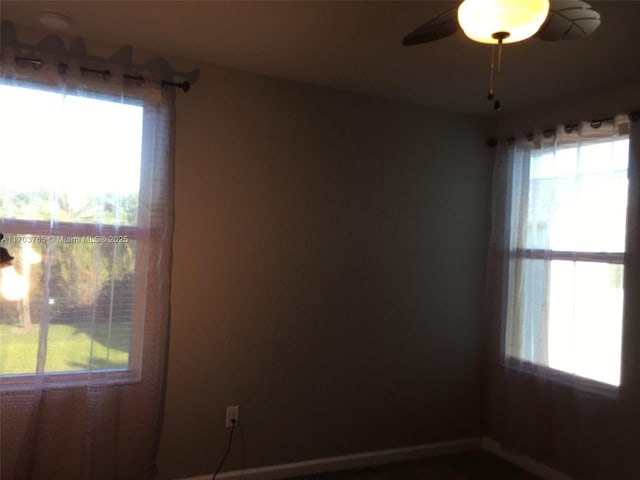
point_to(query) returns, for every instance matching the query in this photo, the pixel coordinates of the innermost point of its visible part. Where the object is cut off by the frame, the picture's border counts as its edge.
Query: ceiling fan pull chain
(491, 93)
(496, 105)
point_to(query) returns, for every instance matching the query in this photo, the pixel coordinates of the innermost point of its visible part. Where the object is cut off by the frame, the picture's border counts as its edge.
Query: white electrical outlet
(233, 415)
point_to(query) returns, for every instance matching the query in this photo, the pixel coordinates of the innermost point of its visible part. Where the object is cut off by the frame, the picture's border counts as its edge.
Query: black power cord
(226, 452)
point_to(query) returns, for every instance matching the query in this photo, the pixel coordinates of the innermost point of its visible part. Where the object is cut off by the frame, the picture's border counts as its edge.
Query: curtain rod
(36, 63)
(633, 116)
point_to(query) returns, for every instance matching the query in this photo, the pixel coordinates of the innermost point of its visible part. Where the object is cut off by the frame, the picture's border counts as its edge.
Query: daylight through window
(69, 210)
(565, 303)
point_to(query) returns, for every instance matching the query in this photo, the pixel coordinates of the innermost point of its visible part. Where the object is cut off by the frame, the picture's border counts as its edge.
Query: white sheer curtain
(562, 284)
(567, 242)
(86, 210)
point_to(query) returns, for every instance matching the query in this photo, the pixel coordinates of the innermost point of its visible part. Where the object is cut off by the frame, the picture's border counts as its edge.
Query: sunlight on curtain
(87, 275)
(567, 243)
(562, 303)
(86, 210)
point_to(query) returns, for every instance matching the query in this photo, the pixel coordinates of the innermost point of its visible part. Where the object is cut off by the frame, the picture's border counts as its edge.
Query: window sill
(559, 377)
(58, 380)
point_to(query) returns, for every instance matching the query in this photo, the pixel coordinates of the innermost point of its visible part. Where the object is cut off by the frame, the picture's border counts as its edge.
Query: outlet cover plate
(233, 413)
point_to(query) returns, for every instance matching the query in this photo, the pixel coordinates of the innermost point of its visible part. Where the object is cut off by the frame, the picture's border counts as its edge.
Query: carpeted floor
(461, 466)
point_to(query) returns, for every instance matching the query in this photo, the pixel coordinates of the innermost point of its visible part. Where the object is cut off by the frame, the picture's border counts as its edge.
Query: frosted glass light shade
(521, 19)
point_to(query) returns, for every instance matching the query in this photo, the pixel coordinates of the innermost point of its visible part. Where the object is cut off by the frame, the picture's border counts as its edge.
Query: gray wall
(328, 274)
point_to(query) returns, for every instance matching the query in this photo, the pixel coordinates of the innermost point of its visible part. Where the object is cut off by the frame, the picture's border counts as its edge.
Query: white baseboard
(344, 462)
(380, 457)
(522, 461)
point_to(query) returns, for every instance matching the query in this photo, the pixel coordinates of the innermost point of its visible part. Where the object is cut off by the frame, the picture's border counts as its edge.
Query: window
(70, 213)
(566, 268)
(86, 209)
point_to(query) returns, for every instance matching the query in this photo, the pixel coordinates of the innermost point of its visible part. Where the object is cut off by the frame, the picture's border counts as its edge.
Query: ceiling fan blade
(442, 26)
(568, 20)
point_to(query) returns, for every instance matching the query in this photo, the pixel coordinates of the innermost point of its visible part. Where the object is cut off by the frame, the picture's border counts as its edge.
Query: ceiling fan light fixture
(55, 20)
(509, 21)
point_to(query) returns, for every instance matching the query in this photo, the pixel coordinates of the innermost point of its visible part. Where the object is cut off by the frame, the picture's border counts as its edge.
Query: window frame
(12, 226)
(515, 362)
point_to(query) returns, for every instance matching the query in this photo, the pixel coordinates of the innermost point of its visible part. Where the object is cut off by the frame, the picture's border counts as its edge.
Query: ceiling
(356, 46)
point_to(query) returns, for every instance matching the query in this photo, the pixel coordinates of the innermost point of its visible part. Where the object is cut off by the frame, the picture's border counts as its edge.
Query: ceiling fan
(498, 22)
